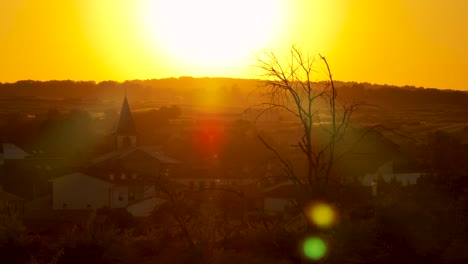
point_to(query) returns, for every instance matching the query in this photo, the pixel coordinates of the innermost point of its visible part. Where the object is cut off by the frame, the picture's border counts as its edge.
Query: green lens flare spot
(314, 248)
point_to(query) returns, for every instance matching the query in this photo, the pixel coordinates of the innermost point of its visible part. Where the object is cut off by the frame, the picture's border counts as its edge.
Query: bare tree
(322, 118)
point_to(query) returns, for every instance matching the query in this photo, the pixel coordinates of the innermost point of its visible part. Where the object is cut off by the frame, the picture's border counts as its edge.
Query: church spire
(125, 133)
(126, 125)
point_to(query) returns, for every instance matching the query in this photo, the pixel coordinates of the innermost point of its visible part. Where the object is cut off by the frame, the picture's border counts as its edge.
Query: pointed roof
(11, 151)
(126, 124)
(6, 196)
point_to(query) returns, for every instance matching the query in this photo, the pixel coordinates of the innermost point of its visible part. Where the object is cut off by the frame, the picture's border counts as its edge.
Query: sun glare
(198, 38)
(209, 34)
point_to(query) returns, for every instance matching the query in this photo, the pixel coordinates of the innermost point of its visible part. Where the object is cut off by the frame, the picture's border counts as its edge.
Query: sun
(209, 35)
(170, 38)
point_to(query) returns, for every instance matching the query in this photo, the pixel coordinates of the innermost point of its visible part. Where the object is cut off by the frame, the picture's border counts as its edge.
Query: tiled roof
(79, 174)
(285, 190)
(6, 196)
(127, 152)
(11, 151)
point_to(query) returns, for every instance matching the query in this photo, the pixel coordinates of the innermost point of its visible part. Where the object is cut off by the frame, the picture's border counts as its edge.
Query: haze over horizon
(418, 43)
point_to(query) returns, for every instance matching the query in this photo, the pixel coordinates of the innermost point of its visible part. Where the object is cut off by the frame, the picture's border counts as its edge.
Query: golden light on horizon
(418, 42)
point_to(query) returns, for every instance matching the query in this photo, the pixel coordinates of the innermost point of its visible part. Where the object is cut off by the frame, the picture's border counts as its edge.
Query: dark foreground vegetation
(424, 224)
(64, 124)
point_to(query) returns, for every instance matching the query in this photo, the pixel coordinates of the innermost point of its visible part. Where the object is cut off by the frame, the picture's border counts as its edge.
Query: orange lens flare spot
(209, 138)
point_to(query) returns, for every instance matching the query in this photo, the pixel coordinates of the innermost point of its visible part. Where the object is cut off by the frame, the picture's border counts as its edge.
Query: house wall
(386, 168)
(79, 191)
(119, 196)
(407, 178)
(123, 195)
(207, 183)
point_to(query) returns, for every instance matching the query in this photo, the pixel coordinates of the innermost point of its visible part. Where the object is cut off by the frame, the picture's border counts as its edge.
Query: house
(10, 203)
(386, 173)
(280, 198)
(78, 191)
(361, 151)
(123, 178)
(18, 172)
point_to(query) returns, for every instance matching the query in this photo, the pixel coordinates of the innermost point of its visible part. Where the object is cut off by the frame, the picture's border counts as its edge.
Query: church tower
(125, 135)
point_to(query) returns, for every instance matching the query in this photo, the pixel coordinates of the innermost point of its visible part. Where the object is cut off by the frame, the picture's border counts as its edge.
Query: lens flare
(323, 215)
(208, 138)
(314, 248)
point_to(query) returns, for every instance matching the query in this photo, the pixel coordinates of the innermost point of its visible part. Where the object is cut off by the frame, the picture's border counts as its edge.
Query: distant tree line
(406, 96)
(188, 90)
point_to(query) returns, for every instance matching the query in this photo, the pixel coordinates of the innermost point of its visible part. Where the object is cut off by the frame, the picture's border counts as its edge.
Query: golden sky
(401, 42)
